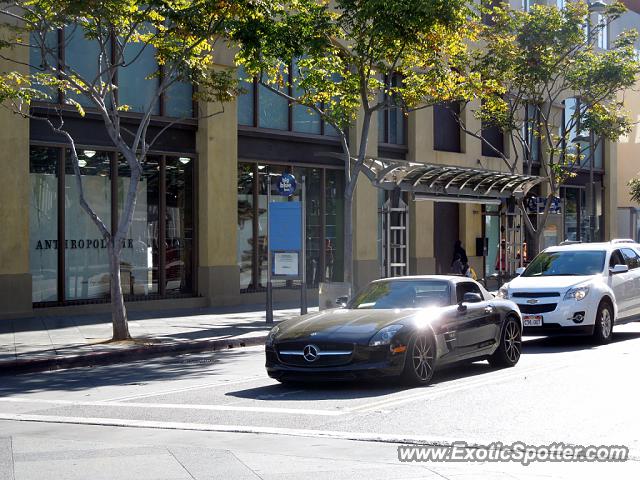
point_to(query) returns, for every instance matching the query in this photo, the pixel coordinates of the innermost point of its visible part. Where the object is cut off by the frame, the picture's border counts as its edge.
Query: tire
(508, 352)
(419, 362)
(603, 329)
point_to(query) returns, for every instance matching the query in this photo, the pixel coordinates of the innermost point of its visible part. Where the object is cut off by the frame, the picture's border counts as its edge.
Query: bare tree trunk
(348, 236)
(118, 310)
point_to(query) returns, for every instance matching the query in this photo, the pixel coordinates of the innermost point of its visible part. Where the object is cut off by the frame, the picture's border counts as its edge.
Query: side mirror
(520, 271)
(618, 269)
(341, 302)
(470, 297)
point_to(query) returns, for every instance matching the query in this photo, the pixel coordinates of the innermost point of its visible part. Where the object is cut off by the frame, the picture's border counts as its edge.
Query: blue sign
(285, 226)
(287, 185)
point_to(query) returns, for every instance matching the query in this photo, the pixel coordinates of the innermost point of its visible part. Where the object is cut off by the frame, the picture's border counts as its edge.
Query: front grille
(535, 309)
(535, 294)
(322, 361)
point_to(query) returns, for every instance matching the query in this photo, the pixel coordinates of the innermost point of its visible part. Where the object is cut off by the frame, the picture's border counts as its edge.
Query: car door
(632, 285)
(618, 283)
(474, 326)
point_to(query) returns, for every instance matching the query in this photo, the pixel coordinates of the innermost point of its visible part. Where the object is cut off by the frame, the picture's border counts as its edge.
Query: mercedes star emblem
(310, 353)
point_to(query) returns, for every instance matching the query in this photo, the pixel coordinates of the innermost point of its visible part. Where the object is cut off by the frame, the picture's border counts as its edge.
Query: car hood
(546, 284)
(351, 326)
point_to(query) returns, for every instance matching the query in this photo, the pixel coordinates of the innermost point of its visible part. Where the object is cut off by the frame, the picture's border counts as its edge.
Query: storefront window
(86, 257)
(313, 179)
(324, 217)
(267, 178)
(159, 225)
(139, 262)
(334, 226)
(246, 218)
(572, 212)
(179, 225)
(43, 223)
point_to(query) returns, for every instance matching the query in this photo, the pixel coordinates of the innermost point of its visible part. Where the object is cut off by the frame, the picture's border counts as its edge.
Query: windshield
(403, 294)
(577, 262)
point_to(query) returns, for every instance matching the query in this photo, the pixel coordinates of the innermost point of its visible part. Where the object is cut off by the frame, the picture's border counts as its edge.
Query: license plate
(532, 320)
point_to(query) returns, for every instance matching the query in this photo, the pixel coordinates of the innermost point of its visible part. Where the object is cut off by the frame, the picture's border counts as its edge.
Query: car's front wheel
(508, 352)
(420, 360)
(603, 330)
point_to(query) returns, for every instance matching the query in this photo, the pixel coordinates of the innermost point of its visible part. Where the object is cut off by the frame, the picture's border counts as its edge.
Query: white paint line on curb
(204, 427)
(174, 406)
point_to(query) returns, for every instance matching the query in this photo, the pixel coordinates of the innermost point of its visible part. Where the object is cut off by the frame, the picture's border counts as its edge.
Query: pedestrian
(457, 268)
(459, 255)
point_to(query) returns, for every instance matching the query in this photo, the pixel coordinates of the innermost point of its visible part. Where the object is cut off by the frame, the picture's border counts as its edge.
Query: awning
(447, 182)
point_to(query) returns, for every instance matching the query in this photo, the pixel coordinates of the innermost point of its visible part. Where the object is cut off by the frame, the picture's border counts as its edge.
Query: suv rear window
(566, 263)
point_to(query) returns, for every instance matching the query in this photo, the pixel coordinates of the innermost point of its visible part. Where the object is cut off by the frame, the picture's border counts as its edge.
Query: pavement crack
(13, 459)
(181, 464)
(245, 465)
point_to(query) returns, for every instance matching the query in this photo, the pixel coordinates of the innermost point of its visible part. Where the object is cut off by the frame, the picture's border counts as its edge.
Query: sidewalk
(50, 343)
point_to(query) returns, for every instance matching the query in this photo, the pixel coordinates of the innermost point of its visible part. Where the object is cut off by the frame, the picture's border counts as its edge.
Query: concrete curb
(126, 354)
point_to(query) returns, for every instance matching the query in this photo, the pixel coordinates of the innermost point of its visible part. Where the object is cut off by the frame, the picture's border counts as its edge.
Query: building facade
(198, 236)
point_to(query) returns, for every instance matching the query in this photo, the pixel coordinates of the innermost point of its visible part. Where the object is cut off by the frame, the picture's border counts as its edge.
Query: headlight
(577, 293)
(384, 336)
(503, 292)
(271, 336)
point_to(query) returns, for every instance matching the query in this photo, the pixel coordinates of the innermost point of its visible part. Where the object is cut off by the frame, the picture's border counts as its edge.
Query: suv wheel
(603, 329)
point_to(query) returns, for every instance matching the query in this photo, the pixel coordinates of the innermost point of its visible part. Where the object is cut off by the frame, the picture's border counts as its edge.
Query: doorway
(446, 230)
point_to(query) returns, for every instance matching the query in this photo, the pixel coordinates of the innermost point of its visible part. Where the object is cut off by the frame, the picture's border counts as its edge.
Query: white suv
(579, 289)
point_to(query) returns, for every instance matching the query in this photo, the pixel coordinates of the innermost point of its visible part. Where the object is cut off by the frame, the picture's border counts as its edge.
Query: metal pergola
(447, 183)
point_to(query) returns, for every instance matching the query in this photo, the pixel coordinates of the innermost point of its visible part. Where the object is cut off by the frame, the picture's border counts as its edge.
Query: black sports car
(406, 326)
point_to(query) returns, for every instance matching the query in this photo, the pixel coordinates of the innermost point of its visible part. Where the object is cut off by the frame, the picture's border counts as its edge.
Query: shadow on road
(541, 345)
(354, 389)
(204, 366)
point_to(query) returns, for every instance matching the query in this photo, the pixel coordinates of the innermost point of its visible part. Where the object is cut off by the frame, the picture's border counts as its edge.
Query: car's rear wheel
(420, 360)
(603, 330)
(508, 352)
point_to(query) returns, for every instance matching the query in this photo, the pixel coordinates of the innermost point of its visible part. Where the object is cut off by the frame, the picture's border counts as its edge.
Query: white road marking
(205, 427)
(456, 386)
(187, 389)
(391, 401)
(177, 406)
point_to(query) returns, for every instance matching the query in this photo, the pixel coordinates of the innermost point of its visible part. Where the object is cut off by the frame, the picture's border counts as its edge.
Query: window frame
(61, 61)
(256, 111)
(113, 221)
(462, 285)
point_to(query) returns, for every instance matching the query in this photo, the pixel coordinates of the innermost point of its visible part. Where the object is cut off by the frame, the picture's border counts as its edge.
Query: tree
(183, 34)
(346, 58)
(528, 64)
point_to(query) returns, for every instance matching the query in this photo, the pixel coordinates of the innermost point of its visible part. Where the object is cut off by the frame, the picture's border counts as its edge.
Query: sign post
(269, 313)
(303, 283)
(285, 241)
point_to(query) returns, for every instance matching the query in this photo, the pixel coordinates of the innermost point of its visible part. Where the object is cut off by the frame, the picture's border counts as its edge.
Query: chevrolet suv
(579, 289)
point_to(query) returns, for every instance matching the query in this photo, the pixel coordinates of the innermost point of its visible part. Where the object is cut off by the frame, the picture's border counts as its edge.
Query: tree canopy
(353, 58)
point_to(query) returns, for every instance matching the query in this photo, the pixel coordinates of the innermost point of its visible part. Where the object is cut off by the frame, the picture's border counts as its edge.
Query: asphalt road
(219, 416)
